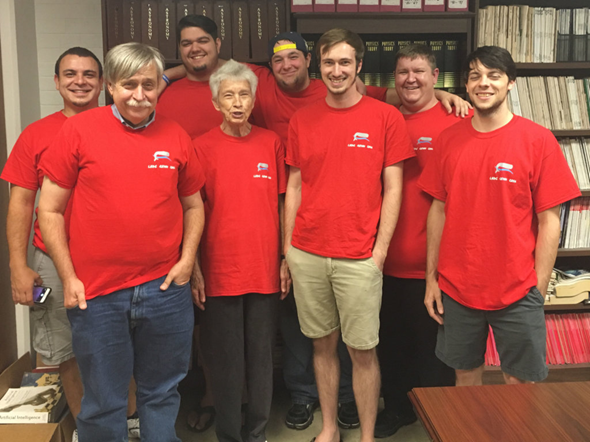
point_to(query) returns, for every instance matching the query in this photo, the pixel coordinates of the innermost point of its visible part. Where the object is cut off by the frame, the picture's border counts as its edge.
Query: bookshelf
(385, 25)
(566, 258)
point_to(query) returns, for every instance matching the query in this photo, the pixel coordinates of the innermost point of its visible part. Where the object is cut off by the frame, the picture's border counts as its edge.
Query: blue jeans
(298, 371)
(141, 331)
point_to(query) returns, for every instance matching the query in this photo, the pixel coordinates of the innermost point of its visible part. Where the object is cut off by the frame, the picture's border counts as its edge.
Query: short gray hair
(125, 60)
(232, 70)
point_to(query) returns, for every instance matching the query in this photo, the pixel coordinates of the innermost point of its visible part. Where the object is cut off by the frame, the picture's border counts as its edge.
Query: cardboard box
(58, 432)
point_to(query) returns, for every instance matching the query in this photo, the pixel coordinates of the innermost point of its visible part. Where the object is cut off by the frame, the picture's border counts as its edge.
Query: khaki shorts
(334, 293)
(52, 334)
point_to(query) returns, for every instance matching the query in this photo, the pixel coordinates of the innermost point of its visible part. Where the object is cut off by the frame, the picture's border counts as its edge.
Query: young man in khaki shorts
(342, 204)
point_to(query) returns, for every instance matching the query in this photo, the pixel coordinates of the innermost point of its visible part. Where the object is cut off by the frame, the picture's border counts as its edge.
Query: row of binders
(537, 35)
(558, 103)
(379, 5)
(568, 340)
(244, 26)
(379, 60)
(575, 224)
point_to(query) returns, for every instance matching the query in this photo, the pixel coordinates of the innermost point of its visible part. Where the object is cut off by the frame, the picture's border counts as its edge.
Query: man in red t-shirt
(407, 337)
(78, 78)
(343, 196)
(493, 228)
(136, 220)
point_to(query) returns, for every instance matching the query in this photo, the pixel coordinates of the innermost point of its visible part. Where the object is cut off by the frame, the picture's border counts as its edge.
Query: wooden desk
(506, 413)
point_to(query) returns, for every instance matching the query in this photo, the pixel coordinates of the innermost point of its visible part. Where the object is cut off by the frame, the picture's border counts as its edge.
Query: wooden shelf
(585, 192)
(573, 252)
(572, 133)
(574, 308)
(387, 22)
(562, 65)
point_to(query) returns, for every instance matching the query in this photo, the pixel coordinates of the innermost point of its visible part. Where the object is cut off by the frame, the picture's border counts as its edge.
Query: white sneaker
(133, 427)
(75, 436)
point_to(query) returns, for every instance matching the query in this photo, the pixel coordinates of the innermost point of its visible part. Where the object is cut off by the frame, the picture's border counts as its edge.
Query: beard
(293, 85)
(201, 68)
(489, 111)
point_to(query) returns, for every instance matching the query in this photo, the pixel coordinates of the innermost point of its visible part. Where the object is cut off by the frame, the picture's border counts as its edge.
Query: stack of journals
(577, 154)
(558, 103)
(575, 224)
(568, 340)
(537, 35)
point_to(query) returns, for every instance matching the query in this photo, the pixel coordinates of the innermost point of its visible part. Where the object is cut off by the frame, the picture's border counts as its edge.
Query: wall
(33, 33)
(60, 25)
(8, 347)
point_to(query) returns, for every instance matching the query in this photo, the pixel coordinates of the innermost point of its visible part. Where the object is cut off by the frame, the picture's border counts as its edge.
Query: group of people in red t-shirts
(235, 183)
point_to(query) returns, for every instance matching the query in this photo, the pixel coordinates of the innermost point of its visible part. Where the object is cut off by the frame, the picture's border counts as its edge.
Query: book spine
(324, 5)
(259, 29)
(434, 5)
(368, 5)
(457, 5)
(412, 5)
(277, 17)
(241, 31)
(452, 67)
(437, 47)
(222, 17)
(347, 6)
(388, 50)
(184, 8)
(149, 22)
(167, 29)
(114, 23)
(204, 7)
(131, 21)
(390, 6)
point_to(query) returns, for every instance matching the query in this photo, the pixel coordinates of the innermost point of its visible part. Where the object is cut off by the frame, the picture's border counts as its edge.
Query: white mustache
(134, 103)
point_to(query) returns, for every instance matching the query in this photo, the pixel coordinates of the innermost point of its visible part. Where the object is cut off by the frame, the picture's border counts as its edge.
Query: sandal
(203, 418)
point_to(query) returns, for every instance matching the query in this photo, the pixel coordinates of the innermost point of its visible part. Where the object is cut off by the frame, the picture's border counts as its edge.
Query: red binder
(324, 6)
(457, 5)
(347, 6)
(368, 5)
(390, 6)
(301, 5)
(412, 5)
(434, 5)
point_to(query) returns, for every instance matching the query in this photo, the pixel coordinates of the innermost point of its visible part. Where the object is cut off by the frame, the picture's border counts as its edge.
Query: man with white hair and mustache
(136, 221)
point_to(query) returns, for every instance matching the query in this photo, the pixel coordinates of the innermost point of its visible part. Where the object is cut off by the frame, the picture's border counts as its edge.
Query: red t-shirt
(274, 107)
(240, 247)
(342, 154)
(127, 222)
(493, 184)
(189, 104)
(406, 257)
(22, 166)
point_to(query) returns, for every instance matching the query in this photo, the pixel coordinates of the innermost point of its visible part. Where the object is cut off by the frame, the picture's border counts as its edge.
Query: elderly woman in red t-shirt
(240, 276)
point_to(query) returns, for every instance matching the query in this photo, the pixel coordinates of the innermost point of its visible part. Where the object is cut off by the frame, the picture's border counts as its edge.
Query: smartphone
(40, 294)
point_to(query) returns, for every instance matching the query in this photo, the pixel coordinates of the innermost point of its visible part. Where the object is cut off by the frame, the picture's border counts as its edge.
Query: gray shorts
(519, 332)
(52, 335)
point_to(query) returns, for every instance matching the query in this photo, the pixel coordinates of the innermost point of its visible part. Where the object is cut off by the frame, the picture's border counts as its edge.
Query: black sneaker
(348, 416)
(300, 416)
(388, 423)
